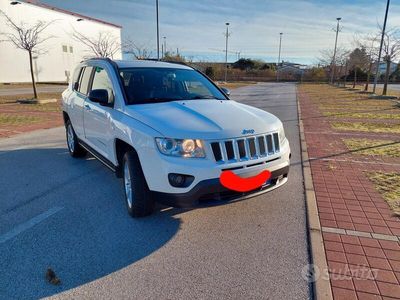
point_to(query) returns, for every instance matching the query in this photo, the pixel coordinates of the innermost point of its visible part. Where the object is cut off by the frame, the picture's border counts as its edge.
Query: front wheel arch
(120, 148)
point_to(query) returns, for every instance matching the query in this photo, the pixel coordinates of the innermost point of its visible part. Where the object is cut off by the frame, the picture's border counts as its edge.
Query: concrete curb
(322, 286)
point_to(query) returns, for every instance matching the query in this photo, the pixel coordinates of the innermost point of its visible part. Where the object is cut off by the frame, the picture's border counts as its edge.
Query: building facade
(60, 53)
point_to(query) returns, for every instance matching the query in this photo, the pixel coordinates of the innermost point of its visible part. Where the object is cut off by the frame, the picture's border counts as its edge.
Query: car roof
(146, 64)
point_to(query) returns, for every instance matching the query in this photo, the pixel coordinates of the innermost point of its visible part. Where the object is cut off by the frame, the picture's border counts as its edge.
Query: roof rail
(168, 61)
(97, 58)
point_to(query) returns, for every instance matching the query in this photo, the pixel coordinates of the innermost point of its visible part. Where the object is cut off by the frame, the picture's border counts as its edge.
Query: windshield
(152, 85)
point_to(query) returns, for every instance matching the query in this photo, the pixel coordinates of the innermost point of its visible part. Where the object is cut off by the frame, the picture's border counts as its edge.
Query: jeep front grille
(247, 148)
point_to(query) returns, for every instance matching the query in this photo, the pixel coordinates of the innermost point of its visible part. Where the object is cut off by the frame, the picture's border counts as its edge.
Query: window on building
(71, 49)
(102, 81)
(85, 78)
(64, 48)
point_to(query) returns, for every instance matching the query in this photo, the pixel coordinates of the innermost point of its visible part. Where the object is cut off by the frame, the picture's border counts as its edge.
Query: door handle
(87, 107)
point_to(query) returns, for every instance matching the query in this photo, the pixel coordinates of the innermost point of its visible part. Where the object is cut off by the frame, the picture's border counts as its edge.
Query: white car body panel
(203, 119)
(138, 125)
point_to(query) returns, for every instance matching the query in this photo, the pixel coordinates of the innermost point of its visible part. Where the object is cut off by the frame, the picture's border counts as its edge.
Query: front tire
(139, 200)
(74, 148)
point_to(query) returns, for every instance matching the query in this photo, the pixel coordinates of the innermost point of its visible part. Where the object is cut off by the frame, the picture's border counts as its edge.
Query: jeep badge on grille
(248, 131)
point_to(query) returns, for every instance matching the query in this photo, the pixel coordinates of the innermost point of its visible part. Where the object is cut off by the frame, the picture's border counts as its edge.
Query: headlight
(181, 148)
(282, 136)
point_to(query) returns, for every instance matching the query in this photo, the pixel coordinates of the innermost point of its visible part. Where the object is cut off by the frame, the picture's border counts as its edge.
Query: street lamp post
(334, 51)
(380, 48)
(158, 33)
(279, 55)
(226, 51)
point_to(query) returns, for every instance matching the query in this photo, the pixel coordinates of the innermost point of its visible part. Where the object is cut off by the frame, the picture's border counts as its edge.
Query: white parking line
(28, 224)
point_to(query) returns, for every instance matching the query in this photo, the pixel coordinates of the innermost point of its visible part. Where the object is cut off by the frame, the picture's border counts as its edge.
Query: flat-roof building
(61, 52)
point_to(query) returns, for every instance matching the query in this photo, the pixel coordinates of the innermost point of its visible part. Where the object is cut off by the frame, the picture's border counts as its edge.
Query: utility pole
(279, 56)
(226, 51)
(380, 48)
(334, 51)
(165, 45)
(158, 33)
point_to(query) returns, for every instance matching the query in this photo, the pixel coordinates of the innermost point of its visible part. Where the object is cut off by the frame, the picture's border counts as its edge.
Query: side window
(76, 79)
(85, 78)
(101, 81)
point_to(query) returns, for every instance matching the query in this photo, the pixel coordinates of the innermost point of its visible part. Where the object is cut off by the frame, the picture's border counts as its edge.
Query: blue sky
(197, 27)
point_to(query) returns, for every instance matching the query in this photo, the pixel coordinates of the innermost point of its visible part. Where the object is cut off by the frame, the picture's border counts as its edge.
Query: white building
(383, 67)
(62, 51)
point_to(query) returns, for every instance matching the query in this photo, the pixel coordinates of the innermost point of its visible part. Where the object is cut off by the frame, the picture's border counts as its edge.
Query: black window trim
(78, 80)
(89, 82)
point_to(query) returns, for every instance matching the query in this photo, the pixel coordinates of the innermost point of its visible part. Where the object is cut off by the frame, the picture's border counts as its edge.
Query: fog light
(180, 180)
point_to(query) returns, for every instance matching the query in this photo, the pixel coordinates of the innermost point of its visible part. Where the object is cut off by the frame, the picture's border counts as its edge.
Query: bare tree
(391, 51)
(358, 60)
(370, 43)
(103, 45)
(26, 37)
(326, 58)
(138, 51)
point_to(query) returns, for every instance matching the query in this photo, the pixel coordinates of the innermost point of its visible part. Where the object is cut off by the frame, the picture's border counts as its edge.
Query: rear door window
(85, 80)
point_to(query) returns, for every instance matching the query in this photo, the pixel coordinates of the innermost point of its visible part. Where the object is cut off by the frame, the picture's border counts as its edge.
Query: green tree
(244, 64)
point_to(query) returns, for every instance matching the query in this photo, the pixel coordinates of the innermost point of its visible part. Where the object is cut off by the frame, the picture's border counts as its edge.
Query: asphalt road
(394, 87)
(69, 214)
(4, 91)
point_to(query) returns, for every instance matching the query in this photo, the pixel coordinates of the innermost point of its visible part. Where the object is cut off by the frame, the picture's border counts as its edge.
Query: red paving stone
(359, 267)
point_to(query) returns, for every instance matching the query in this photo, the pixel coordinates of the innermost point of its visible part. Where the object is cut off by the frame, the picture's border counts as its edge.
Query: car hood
(204, 119)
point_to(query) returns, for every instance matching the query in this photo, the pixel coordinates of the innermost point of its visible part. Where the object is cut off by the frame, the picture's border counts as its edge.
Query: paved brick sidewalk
(361, 234)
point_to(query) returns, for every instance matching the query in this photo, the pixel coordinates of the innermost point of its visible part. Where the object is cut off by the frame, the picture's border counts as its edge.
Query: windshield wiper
(157, 100)
(204, 97)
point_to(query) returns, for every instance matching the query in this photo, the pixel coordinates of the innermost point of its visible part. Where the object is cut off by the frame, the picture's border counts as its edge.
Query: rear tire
(138, 198)
(74, 148)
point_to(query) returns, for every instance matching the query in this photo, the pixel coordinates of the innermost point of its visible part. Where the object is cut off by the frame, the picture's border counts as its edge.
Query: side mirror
(99, 96)
(226, 91)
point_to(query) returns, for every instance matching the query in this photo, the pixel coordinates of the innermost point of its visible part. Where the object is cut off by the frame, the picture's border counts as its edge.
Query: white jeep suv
(169, 132)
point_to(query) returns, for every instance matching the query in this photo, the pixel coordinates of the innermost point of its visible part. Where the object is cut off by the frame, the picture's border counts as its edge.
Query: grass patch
(388, 184)
(350, 108)
(367, 127)
(351, 115)
(51, 107)
(17, 120)
(9, 86)
(376, 147)
(14, 98)
(235, 85)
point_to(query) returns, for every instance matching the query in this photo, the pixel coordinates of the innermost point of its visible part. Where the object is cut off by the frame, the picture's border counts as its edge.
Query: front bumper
(157, 166)
(211, 191)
